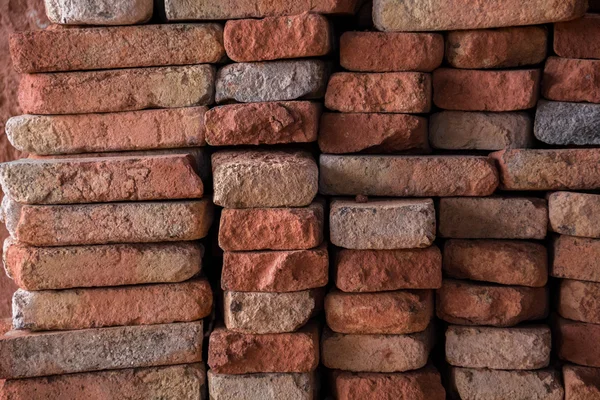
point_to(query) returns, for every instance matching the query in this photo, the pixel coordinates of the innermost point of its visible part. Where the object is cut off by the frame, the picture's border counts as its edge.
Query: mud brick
(40, 225)
(577, 342)
(43, 268)
(569, 79)
(372, 133)
(575, 214)
(399, 312)
(407, 176)
(28, 354)
(271, 228)
(499, 261)
(493, 218)
(382, 224)
(497, 48)
(391, 52)
(444, 15)
(250, 178)
(74, 49)
(272, 81)
(470, 303)
(392, 92)
(99, 12)
(243, 353)
(263, 123)
(275, 38)
(273, 386)
(581, 383)
(579, 301)
(576, 258)
(471, 90)
(383, 270)
(562, 123)
(176, 382)
(578, 38)
(518, 348)
(376, 353)
(275, 271)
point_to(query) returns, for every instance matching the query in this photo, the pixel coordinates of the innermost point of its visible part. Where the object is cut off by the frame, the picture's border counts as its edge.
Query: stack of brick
(105, 215)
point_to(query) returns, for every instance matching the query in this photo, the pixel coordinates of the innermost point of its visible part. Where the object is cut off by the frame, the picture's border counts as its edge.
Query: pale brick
(579, 301)
(575, 214)
(269, 386)
(99, 12)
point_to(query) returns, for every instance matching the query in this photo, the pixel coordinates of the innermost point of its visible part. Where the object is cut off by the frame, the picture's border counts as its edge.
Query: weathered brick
(576, 258)
(27, 354)
(563, 123)
(99, 12)
(575, 214)
(579, 301)
(577, 38)
(392, 92)
(382, 224)
(569, 79)
(471, 90)
(581, 383)
(5, 326)
(272, 386)
(577, 342)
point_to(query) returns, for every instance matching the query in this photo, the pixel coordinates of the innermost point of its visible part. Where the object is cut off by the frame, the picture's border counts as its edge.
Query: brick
(470, 303)
(258, 178)
(393, 313)
(579, 301)
(391, 52)
(518, 348)
(382, 224)
(469, 130)
(243, 353)
(271, 228)
(275, 38)
(5, 326)
(272, 81)
(574, 214)
(273, 386)
(474, 383)
(423, 384)
(561, 123)
(89, 133)
(576, 258)
(102, 12)
(55, 353)
(444, 15)
(392, 92)
(497, 48)
(75, 49)
(576, 39)
(263, 123)
(372, 133)
(471, 90)
(407, 176)
(275, 271)
(42, 225)
(43, 268)
(576, 342)
(581, 383)
(383, 270)
(261, 313)
(569, 79)
(177, 381)
(499, 261)
(495, 217)
(376, 353)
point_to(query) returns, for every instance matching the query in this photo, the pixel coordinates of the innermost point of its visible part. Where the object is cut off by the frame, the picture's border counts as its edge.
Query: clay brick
(563, 123)
(575, 214)
(576, 39)
(383, 270)
(376, 353)
(275, 38)
(99, 12)
(42, 225)
(577, 342)
(28, 354)
(89, 133)
(576, 258)
(581, 383)
(444, 15)
(391, 52)
(300, 386)
(399, 312)
(500, 261)
(569, 79)
(43, 268)
(493, 218)
(263, 123)
(407, 176)
(579, 301)
(470, 303)
(382, 224)
(423, 384)
(519, 348)
(171, 382)
(271, 228)
(243, 353)
(5, 326)
(392, 92)
(74, 49)
(372, 133)
(275, 271)
(250, 178)
(470, 90)
(497, 48)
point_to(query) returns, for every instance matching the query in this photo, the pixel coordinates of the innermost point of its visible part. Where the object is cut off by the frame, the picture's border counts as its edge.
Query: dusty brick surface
(576, 258)
(579, 301)
(569, 79)
(575, 214)
(100, 12)
(391, 52)
(564, 123)
(393, 92)
(493, 218)
(270, 386)
(577, 342)
(575, 39)
(5, 325)
(500, 261)
(581, 383)
(471, 90)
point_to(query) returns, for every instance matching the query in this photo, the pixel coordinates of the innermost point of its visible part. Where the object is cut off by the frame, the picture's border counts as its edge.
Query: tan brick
(576, 258)
(575, 214)
(272, 386)
(576, 39)
(99, 12)
(581, 383)
(577, 342)
(569, 79)
(579, 301)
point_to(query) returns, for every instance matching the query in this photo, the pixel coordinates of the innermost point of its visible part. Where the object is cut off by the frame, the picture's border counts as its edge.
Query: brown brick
(577, 38)
(576, 258)
(577, 342)
(5, 326)
(575, 214)
(272, 386)
(581, 383)
(569, 79)
(579, 301)
(101, 12)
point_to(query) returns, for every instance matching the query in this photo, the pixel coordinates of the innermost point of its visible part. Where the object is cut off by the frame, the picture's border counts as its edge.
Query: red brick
(575, 214)
(576, 258)
(568, 79)
(579, 301)
(5, 326)
(578, 38)
(581, 383)
(577, 342)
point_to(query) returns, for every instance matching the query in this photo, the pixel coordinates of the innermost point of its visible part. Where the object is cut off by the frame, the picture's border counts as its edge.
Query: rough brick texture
(576, 258)
(564, 123)
(575, 214)
(99, 12)
(581, 383)
(577, 342)
(579, 301)
(270, 386)
(568, 79)
(575, 39)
